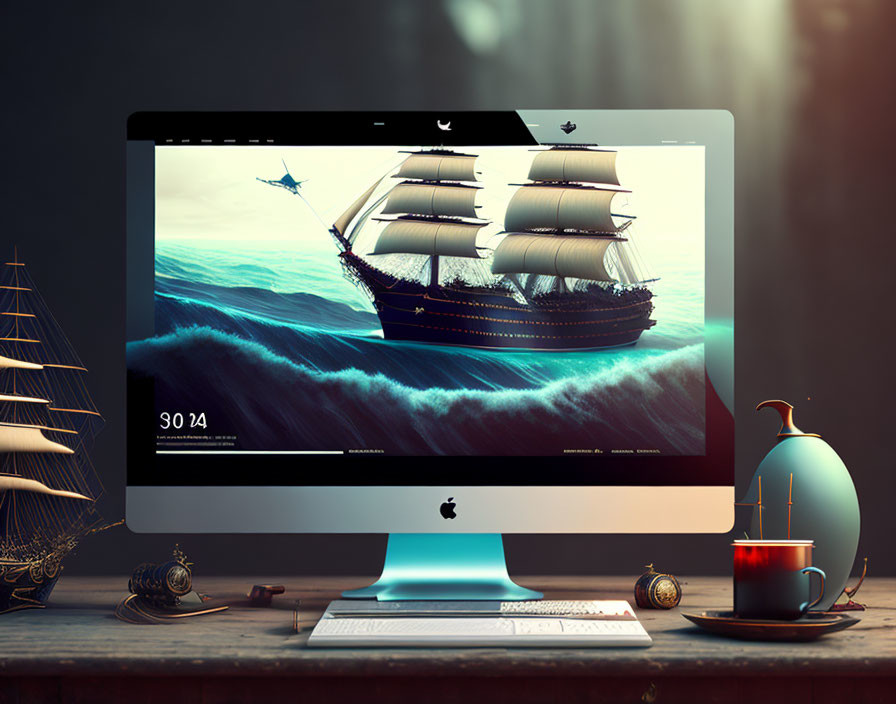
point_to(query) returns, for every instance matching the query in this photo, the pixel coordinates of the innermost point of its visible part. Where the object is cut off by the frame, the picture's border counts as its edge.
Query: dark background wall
(810, 83)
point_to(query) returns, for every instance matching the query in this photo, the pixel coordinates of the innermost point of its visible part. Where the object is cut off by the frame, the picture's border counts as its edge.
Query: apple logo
(447, 508)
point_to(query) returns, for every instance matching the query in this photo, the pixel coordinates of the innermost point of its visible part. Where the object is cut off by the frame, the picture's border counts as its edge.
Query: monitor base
(444, 567)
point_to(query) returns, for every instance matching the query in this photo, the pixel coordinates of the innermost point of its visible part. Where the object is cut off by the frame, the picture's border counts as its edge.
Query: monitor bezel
(708, 479)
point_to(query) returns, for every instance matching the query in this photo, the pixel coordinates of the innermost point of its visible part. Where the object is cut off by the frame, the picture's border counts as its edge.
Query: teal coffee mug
(771, 579)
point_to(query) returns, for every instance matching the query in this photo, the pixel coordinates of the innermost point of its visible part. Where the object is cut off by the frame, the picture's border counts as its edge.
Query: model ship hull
(491, 318)
(27, 585)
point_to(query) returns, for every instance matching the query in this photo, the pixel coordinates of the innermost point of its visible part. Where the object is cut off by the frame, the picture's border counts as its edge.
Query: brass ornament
(656, 590)
(157, 592)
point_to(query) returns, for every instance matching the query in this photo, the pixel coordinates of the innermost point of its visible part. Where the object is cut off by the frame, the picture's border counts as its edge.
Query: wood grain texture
(77, 636)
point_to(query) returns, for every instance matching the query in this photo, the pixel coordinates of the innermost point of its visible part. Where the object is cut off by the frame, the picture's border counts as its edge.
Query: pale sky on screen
(208, 195)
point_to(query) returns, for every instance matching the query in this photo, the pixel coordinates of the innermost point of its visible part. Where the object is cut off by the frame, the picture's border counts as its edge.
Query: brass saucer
(809, 627)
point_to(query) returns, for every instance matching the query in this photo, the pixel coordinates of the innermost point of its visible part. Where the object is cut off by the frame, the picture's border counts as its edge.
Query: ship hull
(27, 585)
(495, 319)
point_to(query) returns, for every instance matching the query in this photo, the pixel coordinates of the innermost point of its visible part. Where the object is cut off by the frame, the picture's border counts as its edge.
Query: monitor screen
(440, 302)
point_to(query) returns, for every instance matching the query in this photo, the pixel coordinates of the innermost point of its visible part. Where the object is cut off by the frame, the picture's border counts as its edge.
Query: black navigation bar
(494, 128)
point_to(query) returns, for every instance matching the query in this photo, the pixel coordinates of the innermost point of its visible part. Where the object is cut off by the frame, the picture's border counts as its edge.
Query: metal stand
(444, 567)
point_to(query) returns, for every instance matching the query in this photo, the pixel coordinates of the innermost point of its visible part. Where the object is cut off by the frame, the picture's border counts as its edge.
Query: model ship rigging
(563, 276)
(48, 486)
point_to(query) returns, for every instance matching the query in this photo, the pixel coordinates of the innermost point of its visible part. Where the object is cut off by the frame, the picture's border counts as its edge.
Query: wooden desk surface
(77, 636)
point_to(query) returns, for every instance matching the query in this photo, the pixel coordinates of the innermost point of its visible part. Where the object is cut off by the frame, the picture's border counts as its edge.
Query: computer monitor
(431, 324)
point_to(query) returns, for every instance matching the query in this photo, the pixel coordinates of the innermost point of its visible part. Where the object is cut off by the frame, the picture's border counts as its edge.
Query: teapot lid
(788, 429)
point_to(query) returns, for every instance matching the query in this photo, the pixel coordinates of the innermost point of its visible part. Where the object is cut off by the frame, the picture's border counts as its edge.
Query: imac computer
(443, 326)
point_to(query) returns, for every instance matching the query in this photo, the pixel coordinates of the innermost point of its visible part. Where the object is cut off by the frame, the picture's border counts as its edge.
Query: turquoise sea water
(293, 322)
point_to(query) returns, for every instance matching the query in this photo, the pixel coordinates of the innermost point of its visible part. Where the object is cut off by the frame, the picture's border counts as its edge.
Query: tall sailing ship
(564, 275)
(48, 422)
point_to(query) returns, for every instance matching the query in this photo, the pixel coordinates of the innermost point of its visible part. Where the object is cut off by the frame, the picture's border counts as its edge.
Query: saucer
(809, 627)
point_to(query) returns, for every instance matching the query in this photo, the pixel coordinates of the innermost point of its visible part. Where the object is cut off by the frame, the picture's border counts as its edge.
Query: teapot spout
(788, 429)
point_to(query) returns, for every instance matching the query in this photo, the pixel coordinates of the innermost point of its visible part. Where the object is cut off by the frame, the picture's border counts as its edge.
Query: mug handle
(805, 606)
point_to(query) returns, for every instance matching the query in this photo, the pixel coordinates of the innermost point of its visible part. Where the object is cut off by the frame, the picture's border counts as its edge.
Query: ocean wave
(274, 270)
(346, 339)
(180, 302)
(206, 274)
(273, 402)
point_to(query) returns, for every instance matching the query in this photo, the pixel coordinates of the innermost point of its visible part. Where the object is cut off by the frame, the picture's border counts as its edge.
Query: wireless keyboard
(488, 631)
(604, 609)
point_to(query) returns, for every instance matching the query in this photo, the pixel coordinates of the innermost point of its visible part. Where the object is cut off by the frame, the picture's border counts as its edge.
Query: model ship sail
(560, 227)
(47, 421)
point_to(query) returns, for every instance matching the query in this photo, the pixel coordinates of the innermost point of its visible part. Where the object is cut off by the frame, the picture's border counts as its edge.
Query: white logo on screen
(446, 127)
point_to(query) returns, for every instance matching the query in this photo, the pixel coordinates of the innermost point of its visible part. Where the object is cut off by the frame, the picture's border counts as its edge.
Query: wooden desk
(76, 650)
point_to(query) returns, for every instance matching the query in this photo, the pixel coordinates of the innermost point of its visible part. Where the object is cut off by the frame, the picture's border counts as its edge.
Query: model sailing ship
(554, 287)
(48, 486)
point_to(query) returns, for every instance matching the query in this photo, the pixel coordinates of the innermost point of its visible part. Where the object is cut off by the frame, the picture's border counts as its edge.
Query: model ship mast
(560, 227)
(47, 421)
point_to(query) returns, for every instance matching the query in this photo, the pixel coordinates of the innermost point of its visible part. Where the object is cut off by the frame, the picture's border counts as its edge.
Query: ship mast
(433, 205)
(47, 419)
(561, 224)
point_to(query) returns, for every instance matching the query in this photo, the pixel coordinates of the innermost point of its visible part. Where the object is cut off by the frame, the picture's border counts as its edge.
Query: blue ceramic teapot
(819, 503)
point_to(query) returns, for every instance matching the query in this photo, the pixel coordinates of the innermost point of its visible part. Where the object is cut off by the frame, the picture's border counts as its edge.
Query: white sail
(449, 239)
(7, 363)
(556, 208)
(575, 165)
(19, 438)
(16, 483)
(17, 398)
(553, 255)
(343, 221)
(438, 167)
(425, 199)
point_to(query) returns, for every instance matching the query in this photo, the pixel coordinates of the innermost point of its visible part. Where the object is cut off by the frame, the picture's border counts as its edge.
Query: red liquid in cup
(771, 578)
